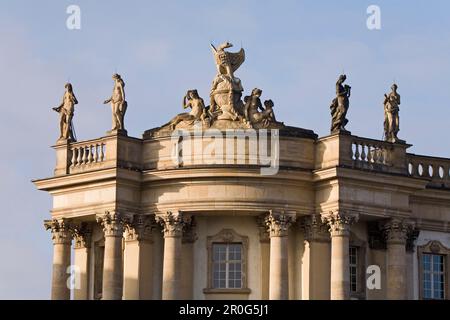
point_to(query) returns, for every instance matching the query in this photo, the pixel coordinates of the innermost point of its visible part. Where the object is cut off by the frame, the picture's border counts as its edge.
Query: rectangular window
(353, 256)
(433, 276)
(227, 265)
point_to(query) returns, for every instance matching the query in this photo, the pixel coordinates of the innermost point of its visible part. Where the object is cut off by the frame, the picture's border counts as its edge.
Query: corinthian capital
(60, 229)
(339, 223)
(112, 223)
(396, 230)
(140, 228)
(173, 223)
(315, 229)
(82, 235)
(189, 231)
(278, 223)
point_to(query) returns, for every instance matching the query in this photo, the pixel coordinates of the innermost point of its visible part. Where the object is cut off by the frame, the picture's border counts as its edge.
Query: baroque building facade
(225, 202)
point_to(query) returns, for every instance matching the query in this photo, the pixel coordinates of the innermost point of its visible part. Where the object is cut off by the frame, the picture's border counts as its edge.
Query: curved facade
(250, 214)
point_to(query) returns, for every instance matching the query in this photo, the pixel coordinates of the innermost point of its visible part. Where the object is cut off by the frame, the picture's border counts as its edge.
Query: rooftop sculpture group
(226, 109)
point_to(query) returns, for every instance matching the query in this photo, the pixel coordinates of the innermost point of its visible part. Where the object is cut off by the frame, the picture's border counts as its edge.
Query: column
(82, 244)
(396, 231)
(173, 230)
(62, 240)
(138, 258)
(278, 225)
(339, 227)
(187, 260)
(264, 243)
(316, 259)
(113, 227)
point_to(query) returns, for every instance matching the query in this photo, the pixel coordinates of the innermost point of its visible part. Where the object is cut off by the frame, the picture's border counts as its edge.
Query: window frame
(434, 247)
(356, 267)
(227, 236)
(227, 262)
(360, 245)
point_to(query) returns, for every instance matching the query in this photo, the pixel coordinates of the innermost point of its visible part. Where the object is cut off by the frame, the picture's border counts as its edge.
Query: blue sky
(294, 52)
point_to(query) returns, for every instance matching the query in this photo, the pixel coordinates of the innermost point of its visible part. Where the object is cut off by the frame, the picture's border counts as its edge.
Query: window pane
(227, 265)
(433, 276)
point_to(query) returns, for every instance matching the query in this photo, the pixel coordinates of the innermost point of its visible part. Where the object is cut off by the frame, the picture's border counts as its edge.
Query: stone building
(195, 210)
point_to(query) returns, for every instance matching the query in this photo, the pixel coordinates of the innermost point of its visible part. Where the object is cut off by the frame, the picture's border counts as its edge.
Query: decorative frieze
(60, 229)
(112, 223)
(278, 223)
(339, 223)
(173, 223)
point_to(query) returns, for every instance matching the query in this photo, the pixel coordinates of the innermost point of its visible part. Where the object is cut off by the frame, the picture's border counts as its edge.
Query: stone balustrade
(112, 151)
(87, 153)
(437, 170)
(368, 152)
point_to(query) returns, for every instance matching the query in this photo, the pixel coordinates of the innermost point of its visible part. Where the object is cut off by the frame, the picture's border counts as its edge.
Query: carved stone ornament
(112, 223)
(396, 230)
(189, 231)
(263, 230)
(140, 228)
(66, 110)
(60, 229)
(339, 223)
(278, 223)
(314, 228)
(118, 106)
(173, 223)
(339, 105)
(226, 109)
(82, 235)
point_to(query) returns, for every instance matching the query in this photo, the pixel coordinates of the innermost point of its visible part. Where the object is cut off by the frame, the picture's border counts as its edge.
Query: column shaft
(173, 224)
(340, 268)
(61, 261)
(113, 228)
(62, 240)
(138, 258)
(81, 259)
(339, 227)
(278, 225)
(396, 235)
(112, 268)
(279, 275)
(171, 268)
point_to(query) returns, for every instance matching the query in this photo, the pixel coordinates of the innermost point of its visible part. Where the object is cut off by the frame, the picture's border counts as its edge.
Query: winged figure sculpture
(227, 62)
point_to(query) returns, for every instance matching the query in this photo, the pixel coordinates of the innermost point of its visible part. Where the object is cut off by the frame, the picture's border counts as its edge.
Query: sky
(295, 51)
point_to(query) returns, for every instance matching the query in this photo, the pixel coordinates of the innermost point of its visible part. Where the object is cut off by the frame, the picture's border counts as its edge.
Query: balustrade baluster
(363, 152)
(369, 153)
(74, 157)
(91, 156)
(357, 151)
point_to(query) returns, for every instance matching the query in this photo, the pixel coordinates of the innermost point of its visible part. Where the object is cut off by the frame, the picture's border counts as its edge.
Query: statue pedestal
(119, 132)
(61, 141)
